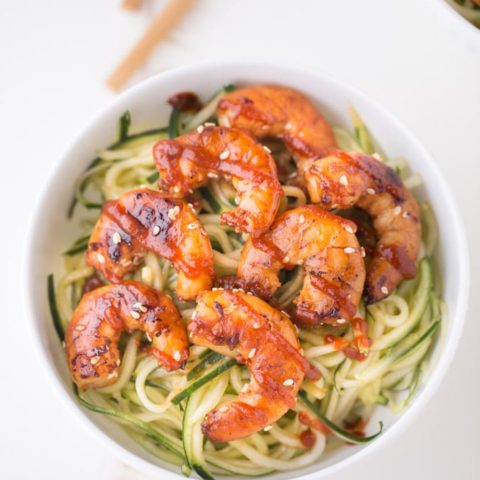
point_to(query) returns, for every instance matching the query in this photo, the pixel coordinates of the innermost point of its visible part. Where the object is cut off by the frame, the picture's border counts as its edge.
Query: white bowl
(49, 234)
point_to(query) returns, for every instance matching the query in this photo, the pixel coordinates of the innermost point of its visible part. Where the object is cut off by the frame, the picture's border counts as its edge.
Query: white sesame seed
(118, 362)
(134, 314)
(63, 344)
(244, 388)
(155, 230)
(301, 219)
(344, 180)
(384, 290)
(112, 375)
(200, 128)
(370, 191)
(203, 232)
(173, 212)
(377, 156)
(405, 214)
(94, 360)
(224, 155)
(80, 328)
(176, 189)
(349, 250)
(252, 353)
(288, 382)
(215, 289)
(140, 306)
(256, 325)
(194, 315)
(348, 228)
(299, 261)
(237, 200)
(212, 175)
(192, 208)
(177, 356)
(223, 409)
(209, 124)
(397, 210)
(192, 226)
(116, 238)
(286, 259)
(362, 251)
(149, 338)
(341, 320)
(288, 126)
(100, 258)
(125, 263)
(267, 428)
(264, 127)
(241, 290)
(285, 313)
(267, 149)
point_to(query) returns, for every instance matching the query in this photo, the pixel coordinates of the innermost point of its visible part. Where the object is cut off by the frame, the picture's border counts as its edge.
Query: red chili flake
(185, 102)
(91, 284)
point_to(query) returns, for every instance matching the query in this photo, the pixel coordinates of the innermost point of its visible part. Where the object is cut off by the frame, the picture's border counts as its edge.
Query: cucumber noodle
(402, 328)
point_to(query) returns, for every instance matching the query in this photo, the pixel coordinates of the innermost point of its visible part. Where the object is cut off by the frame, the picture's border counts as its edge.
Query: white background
(55, 55)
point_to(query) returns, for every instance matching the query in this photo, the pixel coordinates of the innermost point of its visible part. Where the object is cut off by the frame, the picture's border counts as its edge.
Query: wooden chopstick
(131, 4)
(158, 29)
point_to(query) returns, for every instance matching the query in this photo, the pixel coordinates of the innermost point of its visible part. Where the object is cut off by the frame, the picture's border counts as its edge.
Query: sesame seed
(405, 214)
(301, 219)
(241, 290)
(377, 156)
(252, 353)
(212, 175)
(299, 261)
(285, 313)
(237, 200)
(63, 344)
(384, 290)
(348, 228)
(256, 325)
(244, 388)
(116, 238)
(224, 155)
(349, 250)
(125, 263)
(100, 258)
(112, 375)
(177, 356)
(94, 360)
(194, 315)
(341, 320)
(149, 338)
(140, 306)
(397, 210)
(203, 232)
(286, 259)
(192, 226)
(344, 180)
(118, 362)
(200, 128)
(362, 251)
(288, 126)
(134, 314)
(267, 428)
(192, 208)
(209, 124)
(173, 212)
(223, 409)
(176, 189)
(288, 382)
(267, 149)
(370, 191)
(264, 127)
(155, 230)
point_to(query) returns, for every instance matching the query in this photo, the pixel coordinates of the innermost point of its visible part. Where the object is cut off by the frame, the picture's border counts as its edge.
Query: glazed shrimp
(144, 220)
(280, 112)
(264, 340)
(327, 248)
(342, 180)
(188, 162)
(92, 336)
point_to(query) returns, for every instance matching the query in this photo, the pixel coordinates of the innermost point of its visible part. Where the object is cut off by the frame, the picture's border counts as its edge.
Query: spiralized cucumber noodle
(153, 404)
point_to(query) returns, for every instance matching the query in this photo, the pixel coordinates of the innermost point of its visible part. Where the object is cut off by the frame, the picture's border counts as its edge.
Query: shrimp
(191, 159)
(92, 336)
(280, 112)
(342, 180)
(144, 220)
(327, 248)
(264, 340)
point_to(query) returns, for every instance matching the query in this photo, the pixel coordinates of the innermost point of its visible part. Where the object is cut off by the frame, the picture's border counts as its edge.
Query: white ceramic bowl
(49, 233)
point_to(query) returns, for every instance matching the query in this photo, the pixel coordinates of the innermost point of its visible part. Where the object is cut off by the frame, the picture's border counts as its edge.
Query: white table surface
(55, 55)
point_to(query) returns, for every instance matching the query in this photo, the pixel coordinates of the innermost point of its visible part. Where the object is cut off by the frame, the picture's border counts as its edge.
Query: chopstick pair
(157, 30)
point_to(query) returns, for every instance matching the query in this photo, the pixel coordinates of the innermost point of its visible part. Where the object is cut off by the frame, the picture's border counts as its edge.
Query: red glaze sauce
(185, 102)
(359, 347)
(307, 438)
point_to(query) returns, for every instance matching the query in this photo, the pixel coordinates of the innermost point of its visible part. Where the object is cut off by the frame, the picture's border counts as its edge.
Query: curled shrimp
(264, 340)
(280, 112)
(327, 248)
(342, 180)
(144, 220)
(92, 336)
(188, 162)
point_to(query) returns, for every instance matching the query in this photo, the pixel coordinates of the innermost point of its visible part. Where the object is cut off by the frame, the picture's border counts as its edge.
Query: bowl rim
(456, 318)
(460, 20)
